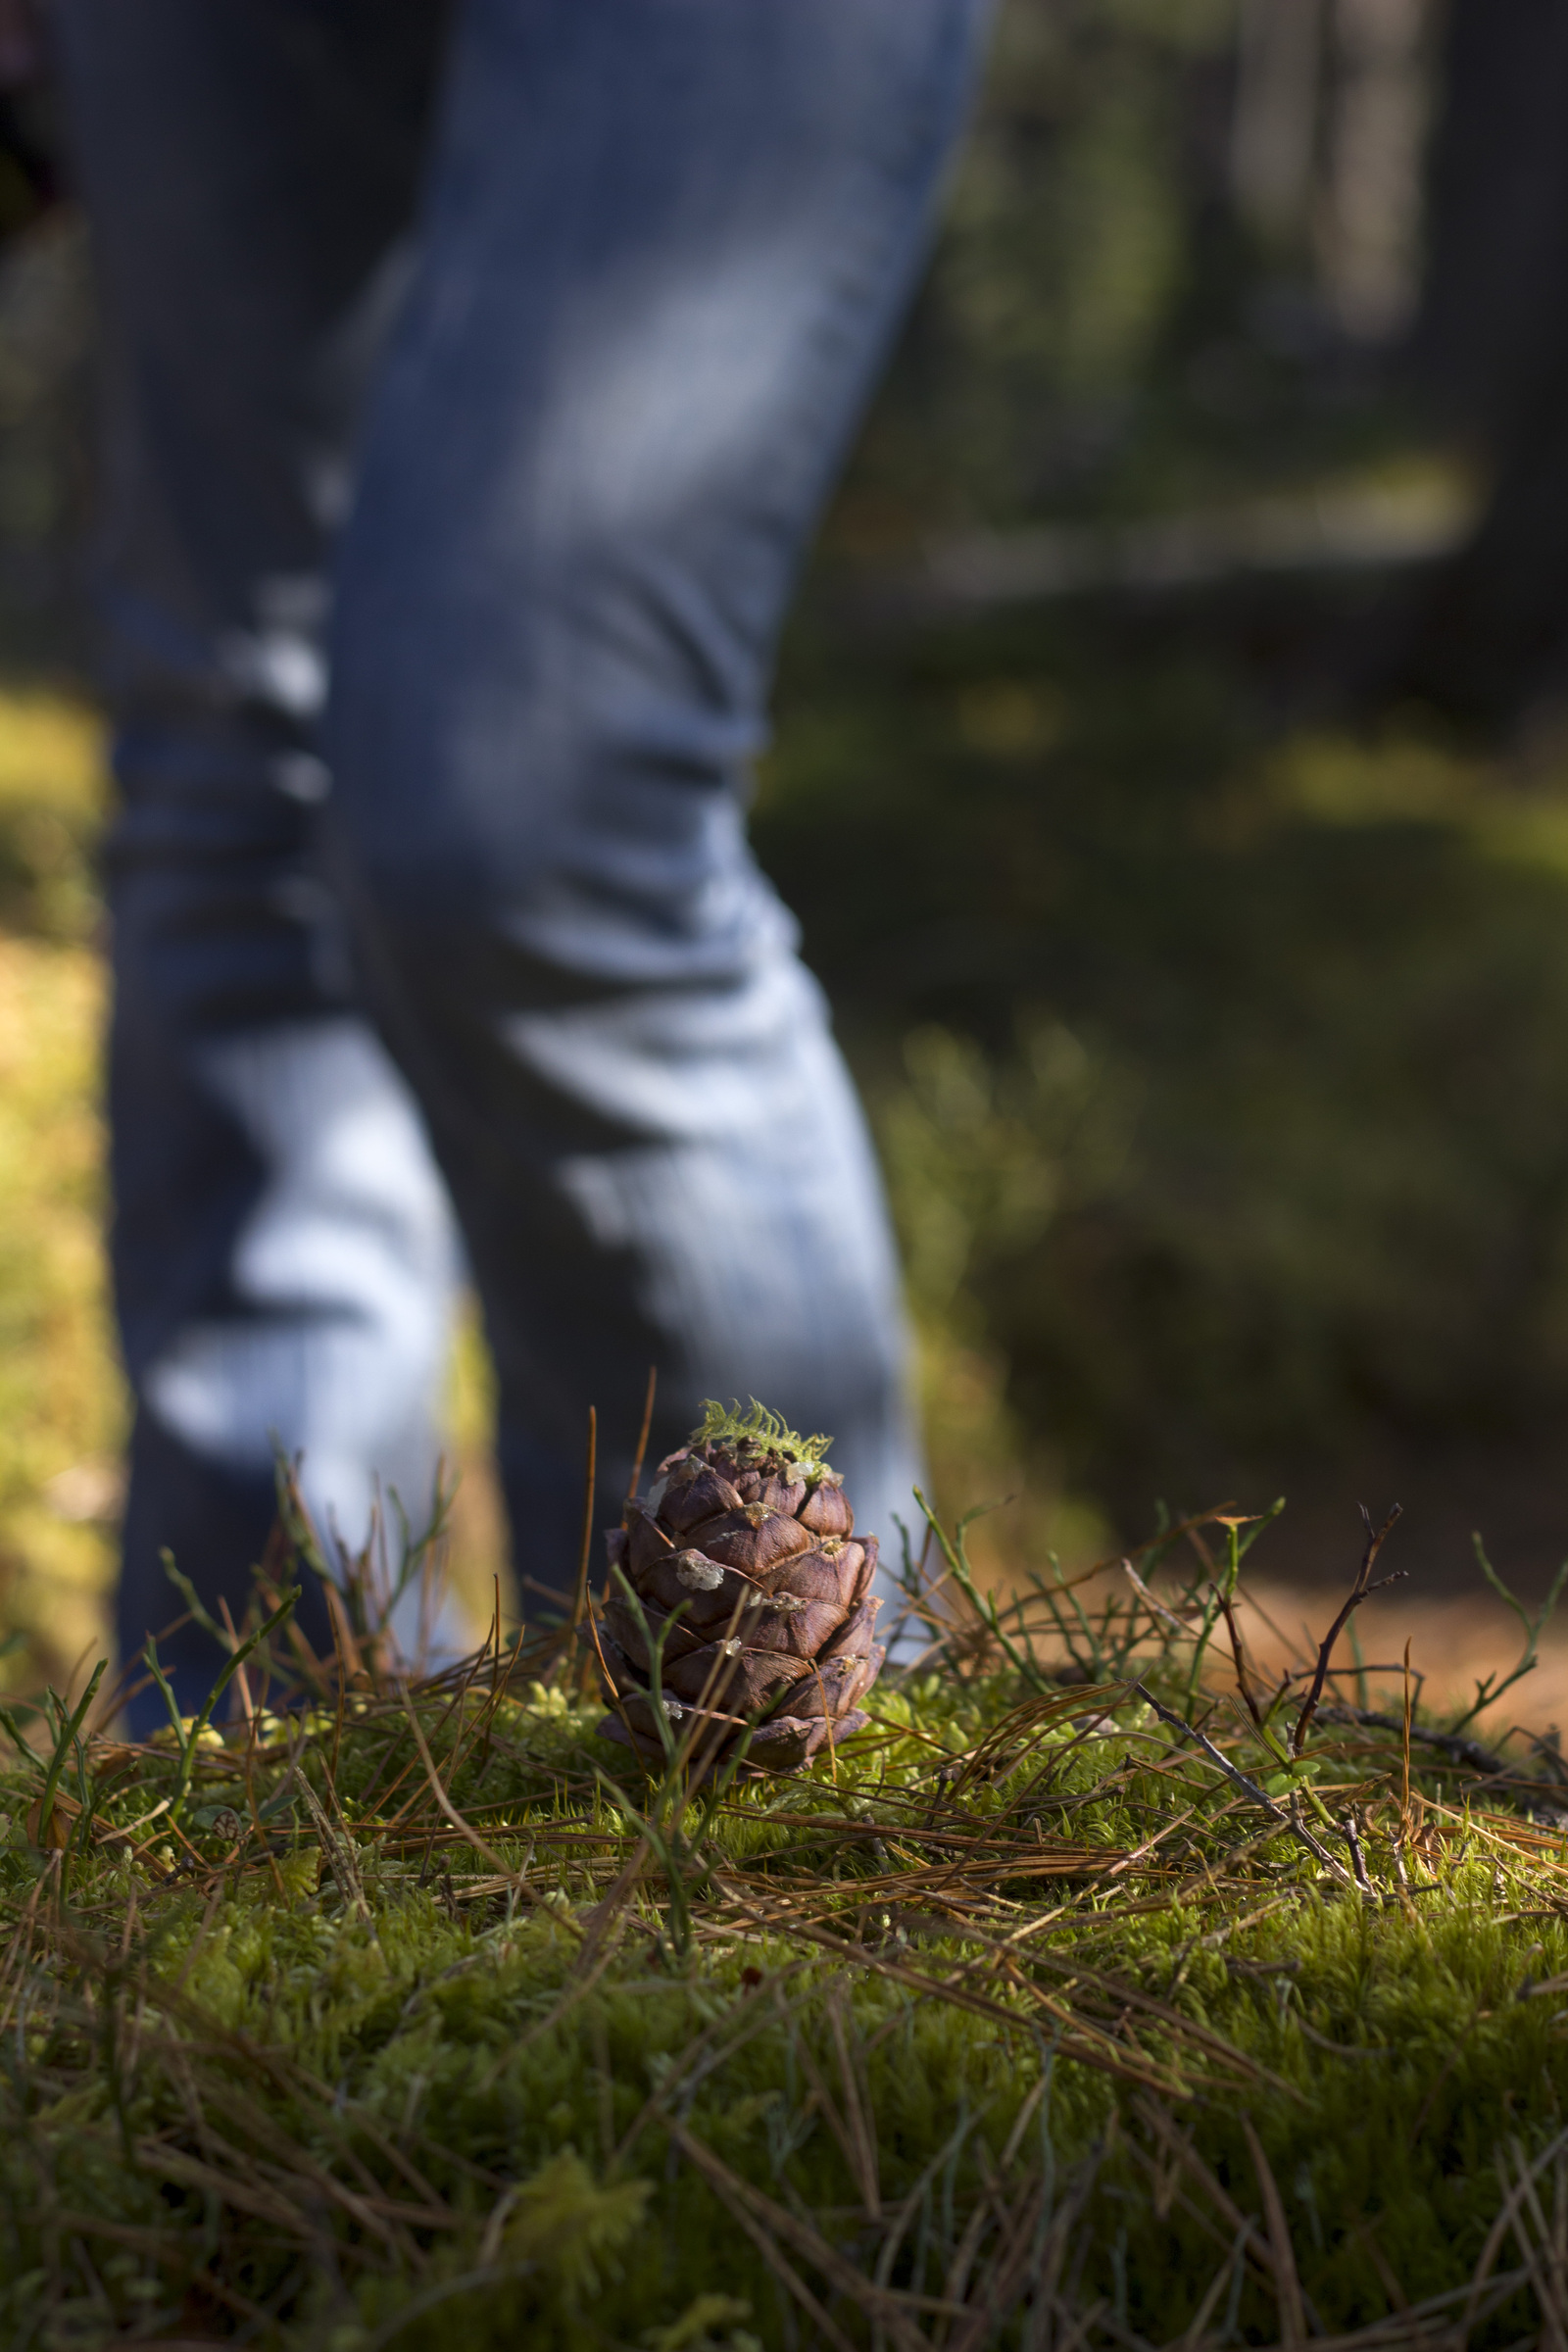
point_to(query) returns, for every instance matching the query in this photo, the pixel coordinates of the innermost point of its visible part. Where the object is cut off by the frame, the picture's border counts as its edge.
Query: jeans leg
(667, 244)
(283, 1249)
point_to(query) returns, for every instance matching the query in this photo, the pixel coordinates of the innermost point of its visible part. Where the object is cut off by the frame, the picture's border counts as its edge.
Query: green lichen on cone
(740, 1608)
(758, 1430)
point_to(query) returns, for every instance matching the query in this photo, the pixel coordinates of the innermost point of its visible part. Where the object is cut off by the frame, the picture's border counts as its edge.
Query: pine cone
(745, 1568)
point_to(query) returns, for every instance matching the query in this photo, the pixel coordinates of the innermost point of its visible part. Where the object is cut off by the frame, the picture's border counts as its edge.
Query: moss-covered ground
(1154, 2008)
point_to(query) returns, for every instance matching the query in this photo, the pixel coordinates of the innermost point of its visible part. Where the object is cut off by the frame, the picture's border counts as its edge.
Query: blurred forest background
(1168, 776)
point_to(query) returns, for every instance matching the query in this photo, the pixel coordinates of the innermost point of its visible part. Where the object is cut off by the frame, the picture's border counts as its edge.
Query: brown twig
(1497, 2235)
(733, 2194)
(1404, 1802)
(642, 1435)
(579, 1599)
(1286, 2286)
(1452, 1743)
(486, 1853)
(1250, 1788)
(1376, 1537)
(1239, 1657)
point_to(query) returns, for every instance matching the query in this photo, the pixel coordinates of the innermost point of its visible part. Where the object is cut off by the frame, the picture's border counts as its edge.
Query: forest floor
(1178, 2006)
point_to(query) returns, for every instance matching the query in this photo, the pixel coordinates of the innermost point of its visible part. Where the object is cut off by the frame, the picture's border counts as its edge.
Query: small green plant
(1489, 1689)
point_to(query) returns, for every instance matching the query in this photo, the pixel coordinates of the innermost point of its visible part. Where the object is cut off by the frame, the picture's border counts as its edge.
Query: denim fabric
(493, 364)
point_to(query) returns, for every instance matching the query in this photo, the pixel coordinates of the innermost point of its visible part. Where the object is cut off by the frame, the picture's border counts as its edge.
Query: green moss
(758, 1429)
(1020, 2008)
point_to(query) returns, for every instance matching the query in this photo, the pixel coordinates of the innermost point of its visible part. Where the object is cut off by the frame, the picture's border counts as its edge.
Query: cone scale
(739, 1602)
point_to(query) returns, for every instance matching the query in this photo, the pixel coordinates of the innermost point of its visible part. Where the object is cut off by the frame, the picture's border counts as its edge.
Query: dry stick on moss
(338, 1852)
(1507, 2219)
(1248, 1788)
(607, 1911)
(459, 1702)
(1352, 1836)
(726, 2189)
(1452, 1743)
(1287, 2285)
(1052, 1770)
(241, 2193)
(854, 2145)
(1246, 2241)
(1037, 1715)
(1165, 2127)
(331, 2115)
(389, 1828)
(1087, 2050)
(1143, 1853)
(891, 2305)
(344, 2116)
(385, 2217)
(1005, 2277)
(452, 1706)
(1179, 2028)
(238, 2049)
(487, 1853)
(345, 1840)
(1363, 1585)
(1218, 2286)
(1547, 2285)
(1411, 2331)
(1519, 1838)
(1366, 2237)
(1025, 2262)
(968, 2246)
(947, 2154)
(859, 2115)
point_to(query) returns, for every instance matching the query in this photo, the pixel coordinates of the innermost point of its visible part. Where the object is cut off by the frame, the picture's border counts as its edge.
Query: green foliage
(1103, 332)
(569, 2228)
(1217, 1079)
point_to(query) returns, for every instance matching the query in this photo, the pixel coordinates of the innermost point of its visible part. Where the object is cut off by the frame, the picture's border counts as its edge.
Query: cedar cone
(744, 1561)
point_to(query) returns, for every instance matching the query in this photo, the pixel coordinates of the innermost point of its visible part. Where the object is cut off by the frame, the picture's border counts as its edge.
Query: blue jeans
(475, 380)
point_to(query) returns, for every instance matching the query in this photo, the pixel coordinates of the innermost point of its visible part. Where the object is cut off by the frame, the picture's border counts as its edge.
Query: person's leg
(666, 245)
(283, 1244)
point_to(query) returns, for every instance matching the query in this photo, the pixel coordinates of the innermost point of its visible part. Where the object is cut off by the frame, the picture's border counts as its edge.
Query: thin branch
(1464, 1751)
(1232, 1772)
(579, 1599)
(1376, 1537)
(642, 1434)
(487, 1853)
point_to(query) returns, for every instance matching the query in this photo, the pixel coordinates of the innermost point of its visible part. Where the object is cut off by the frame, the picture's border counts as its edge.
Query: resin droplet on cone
(751, 1590)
